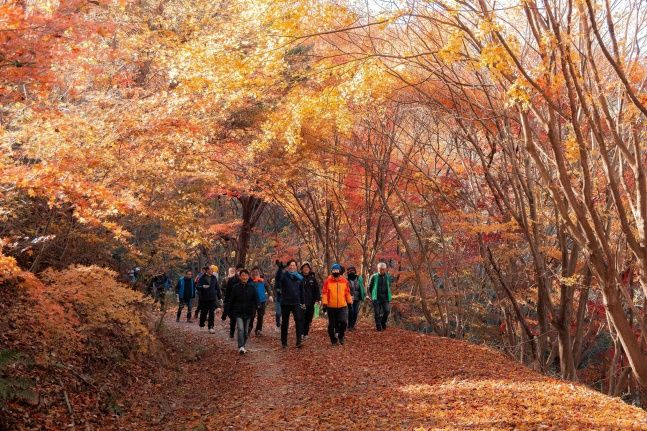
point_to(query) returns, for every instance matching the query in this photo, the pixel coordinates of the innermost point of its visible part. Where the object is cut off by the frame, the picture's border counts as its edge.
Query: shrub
(109, 314)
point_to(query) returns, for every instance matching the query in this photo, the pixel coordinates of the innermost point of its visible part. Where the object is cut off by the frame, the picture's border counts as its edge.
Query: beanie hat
(306, 263)
(336, 266)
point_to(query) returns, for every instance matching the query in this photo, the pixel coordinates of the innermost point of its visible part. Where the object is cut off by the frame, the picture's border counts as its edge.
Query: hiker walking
(379, 287)
(311, 294)
(230, 282)
(158, 287)
(356, 283)
(335, 298)
(264, 295)
(184, 293)
(292, 299)
(198, 292)
(209, 297)
(242, 304)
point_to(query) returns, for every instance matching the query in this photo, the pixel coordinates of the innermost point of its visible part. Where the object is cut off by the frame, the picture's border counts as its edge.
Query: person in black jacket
(230, 282)
(198, 291)
(311, 294)
(242, 304)
(209, 297)
(292, 299)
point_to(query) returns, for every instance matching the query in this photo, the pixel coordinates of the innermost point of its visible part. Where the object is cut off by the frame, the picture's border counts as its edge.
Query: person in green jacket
(358, 293)
(379, 287)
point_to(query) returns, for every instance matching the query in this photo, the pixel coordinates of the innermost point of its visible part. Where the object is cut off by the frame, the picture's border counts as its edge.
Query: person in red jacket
(335, 298)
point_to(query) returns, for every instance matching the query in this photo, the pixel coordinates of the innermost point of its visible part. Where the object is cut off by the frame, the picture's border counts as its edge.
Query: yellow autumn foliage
(103, 306)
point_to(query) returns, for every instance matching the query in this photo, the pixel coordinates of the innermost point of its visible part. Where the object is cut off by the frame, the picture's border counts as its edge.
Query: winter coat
(185, 288)
(230, 282)
(357, 288)
(243, 300)
(311, 291)
(336, 292)
(208, 288)
(291, 288)
(373, 284)
(262, 289)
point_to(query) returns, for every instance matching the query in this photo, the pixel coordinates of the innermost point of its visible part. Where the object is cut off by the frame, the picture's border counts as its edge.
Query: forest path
(395, 379)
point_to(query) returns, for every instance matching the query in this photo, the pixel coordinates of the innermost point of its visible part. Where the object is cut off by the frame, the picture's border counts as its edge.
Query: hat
(336, 266)
(306, 263)
(352, 268)
(214, 268)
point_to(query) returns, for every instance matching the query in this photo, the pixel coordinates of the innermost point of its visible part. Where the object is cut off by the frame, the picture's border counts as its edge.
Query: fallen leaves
(391, 380)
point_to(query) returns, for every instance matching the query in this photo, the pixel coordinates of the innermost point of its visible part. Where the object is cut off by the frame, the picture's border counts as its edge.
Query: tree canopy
(490, 152)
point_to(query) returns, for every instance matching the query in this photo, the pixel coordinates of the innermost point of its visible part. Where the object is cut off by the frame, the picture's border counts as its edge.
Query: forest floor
(395, 379)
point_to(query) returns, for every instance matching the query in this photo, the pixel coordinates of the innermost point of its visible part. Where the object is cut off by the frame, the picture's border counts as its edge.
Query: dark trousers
(353, 312)
(197, 309)
(277, 312)
(259, 314)
(184, 302)
(309, 314)
(381, 310)
(296, 311)
(337, 321)
(207, 308)
(243, 325)
(232, 326)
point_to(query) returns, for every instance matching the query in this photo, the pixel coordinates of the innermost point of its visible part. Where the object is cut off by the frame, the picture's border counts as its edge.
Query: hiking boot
(341, 340)
(334, 342)
(212, 331)
(285, 346)
(241, 351)
(299, 343)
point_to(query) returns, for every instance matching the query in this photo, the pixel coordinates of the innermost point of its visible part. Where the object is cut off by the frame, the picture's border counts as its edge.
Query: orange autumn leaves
(391, 380)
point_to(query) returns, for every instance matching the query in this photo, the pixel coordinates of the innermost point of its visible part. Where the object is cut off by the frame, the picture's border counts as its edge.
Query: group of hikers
(295, 292)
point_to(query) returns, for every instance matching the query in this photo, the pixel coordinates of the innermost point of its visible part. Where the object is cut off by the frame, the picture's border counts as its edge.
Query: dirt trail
(388, 380)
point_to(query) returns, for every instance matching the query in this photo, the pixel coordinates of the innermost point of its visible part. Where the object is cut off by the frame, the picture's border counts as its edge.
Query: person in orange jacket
(335, 298)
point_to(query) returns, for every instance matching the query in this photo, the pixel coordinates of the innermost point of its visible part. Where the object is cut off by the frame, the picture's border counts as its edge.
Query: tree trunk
(252, 209)
(637, 359)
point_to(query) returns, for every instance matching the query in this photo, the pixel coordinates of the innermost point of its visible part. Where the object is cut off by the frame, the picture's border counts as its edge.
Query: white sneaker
(241, 350)
(305, 337)
(212, 331)
(244, 350)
